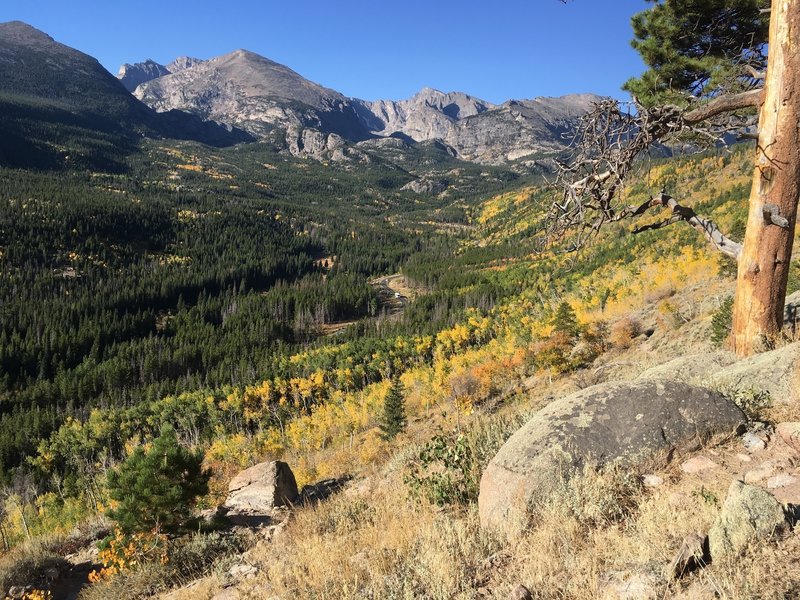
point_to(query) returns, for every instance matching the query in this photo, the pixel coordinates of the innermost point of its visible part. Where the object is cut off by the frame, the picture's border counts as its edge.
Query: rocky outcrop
(608, 423)
(183, 62)
(262, 488)
(132, 76)
(480, 131)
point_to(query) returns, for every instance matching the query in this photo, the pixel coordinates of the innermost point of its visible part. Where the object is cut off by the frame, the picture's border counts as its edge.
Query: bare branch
(609, 144)
(705, 226)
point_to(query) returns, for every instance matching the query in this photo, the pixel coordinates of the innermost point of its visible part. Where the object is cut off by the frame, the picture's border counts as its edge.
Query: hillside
(61, 108)
(475, 350)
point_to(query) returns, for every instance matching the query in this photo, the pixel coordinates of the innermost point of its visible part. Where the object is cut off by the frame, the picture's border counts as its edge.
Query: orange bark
(766, 254)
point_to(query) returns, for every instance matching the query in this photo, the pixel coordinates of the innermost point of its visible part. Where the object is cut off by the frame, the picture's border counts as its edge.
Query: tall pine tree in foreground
(156, 489)
(394, 411)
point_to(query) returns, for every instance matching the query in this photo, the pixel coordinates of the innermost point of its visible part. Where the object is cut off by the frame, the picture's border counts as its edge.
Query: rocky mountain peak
(182, 63)
(132, 76)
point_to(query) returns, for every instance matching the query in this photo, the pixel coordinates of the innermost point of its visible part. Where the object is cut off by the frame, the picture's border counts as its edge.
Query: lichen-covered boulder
(622, 422)
(749, 513)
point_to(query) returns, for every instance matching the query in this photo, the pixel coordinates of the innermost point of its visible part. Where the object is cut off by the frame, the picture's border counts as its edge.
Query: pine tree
(157, 488)
(394, 411)
(565, 321)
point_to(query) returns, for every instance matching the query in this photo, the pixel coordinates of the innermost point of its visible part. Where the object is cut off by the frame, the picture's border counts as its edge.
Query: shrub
(157, 489)
(443, 473)
(601, 497)
(624, 331)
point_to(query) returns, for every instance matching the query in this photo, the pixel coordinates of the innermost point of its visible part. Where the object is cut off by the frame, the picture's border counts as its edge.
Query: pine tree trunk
(766, 255)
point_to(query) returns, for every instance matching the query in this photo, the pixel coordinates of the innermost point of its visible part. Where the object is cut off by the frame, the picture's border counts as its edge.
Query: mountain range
(249, 91)
(54, 96)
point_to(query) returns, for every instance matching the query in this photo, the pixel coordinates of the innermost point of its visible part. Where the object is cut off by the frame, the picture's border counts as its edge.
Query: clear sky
(378, 49)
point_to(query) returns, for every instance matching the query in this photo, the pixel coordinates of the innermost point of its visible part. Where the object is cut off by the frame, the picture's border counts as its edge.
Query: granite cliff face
(478, 130)
(248, 91)
(132, 76)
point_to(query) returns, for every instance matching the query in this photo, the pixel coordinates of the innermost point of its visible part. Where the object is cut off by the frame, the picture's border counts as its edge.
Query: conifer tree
(157, 488)
(565, 321)
(394, 411)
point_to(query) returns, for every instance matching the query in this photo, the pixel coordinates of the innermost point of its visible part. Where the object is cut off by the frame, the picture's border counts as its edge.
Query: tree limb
(724, 104)
(705, 226)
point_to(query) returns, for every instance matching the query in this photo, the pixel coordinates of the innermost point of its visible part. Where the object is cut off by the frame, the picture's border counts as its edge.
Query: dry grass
(603, 530)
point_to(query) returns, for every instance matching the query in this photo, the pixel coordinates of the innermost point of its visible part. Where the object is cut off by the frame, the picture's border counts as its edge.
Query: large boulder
(776, 372)
(262, 488)
(622, 422)
(749, 513)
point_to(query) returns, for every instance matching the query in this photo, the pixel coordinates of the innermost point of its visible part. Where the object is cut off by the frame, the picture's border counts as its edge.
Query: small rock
(780, 481)
(520, 593)
(789, 432)
(744, 457)
(690, 556)
(753, 442)
(748, 513)
(242, 571)
(651, 480)
(698, 464)
(760, 473)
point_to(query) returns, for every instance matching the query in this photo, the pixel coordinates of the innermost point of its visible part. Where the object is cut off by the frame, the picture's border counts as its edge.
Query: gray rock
(426, 186)
(652, 480)
(749, 513)
(694, 368)
(611, 422)
(242, 571)
(262, 488)
(753, 442)
(776, 372)
(256, 94)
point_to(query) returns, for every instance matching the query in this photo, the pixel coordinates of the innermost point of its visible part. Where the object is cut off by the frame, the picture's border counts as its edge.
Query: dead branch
(611, 140)
(705, 226)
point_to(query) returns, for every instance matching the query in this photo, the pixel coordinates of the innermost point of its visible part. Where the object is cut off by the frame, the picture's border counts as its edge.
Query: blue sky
(378, 49)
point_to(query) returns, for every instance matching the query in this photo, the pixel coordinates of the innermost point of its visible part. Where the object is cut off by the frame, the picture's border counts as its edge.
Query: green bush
(443, 473)
(721, 321)
(156, 489)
